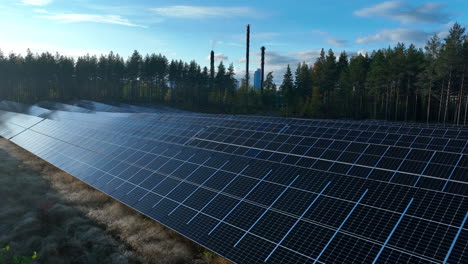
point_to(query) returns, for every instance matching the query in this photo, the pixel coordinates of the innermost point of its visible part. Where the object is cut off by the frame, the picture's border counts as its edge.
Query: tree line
(138, 79)
(401, 83)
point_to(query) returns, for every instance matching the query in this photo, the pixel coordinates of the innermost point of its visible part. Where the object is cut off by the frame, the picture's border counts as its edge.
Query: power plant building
(258, 79)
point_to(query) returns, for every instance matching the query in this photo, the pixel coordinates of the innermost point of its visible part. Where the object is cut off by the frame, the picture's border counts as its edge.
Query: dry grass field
(45, 210)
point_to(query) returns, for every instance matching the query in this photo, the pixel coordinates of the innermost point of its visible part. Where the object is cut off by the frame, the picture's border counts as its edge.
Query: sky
(292, 31)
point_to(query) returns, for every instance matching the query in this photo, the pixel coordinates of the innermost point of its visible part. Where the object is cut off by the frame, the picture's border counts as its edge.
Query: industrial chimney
(247, 58)
(212, 70)
(263, 69)
(212, 66)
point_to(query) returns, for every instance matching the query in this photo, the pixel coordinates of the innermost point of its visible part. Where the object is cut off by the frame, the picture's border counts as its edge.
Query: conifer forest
(396, 83)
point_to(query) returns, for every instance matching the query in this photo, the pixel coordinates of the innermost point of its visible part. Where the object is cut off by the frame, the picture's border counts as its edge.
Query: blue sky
(292, 31)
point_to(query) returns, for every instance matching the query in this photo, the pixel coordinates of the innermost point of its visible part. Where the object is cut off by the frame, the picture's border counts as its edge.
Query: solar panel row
(436, 170)
(261, 195)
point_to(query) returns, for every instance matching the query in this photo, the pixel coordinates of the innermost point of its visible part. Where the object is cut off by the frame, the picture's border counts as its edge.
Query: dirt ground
(48, 211)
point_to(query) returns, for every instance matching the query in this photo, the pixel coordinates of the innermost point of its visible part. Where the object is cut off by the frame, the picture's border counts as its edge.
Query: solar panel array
(272, 190)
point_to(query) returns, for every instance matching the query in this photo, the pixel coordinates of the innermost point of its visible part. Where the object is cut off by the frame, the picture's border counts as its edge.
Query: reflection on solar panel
(62, 107)
(23, 108)
(272, 190)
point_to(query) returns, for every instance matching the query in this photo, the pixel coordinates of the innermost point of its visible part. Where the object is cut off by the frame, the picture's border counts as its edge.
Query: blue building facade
(258, 79)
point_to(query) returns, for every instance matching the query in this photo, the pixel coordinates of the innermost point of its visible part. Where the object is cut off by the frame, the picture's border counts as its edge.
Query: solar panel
(62, 107)
(262, 192)
(22, 108)
(101, 107)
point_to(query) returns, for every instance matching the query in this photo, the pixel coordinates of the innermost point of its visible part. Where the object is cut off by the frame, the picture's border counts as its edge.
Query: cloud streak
(319, 32)
(218, 57)
(337, 42)
(405, 13)
(393, 36)
(197, 12)
(93, 18)
(41, 11)
(36, 2)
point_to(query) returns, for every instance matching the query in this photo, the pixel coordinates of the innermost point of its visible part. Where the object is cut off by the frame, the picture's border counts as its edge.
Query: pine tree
(397, 61)
(330, 80)
(428, 75)
(269, 93)
(134, 68)
(220, 83)
(452, 59)
(358, 71)
(464, 75)
(343, 85)
(230, 86)
(302, 85)
(413, 65)
(377, 81)
(287, 89)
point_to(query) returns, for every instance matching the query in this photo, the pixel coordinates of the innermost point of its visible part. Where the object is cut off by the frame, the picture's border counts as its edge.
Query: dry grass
(46, 210)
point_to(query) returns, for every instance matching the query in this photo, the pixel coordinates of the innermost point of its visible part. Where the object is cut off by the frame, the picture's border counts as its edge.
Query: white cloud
(21, 48)
(36, 2)
(444, 30)
(393, 36)
(363, 52)
(241, 60)
(337, 42)
(235, 44)
(41, 11)
(218, 57)
(308, 56)
(380, 9)
(107, 19)
(139, 13)
(215, 42)
(185, 11)
(405, 13)
(319, 32)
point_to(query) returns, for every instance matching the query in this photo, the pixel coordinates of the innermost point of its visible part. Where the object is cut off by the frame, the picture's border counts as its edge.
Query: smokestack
(263, 69)
(212, 66)
(212, 71)
(247, 58)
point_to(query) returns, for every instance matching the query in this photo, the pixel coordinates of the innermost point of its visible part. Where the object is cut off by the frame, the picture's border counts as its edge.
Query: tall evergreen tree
(428, 75)
(380, 81)
(452, 60)
(269, 92)
(134, 70)
(343, 85)
(464, 75)
(358, 71)
(413, 65)
(287, 89)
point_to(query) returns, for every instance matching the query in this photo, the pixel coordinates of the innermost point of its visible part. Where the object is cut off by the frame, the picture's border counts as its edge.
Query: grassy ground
(46, 210)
